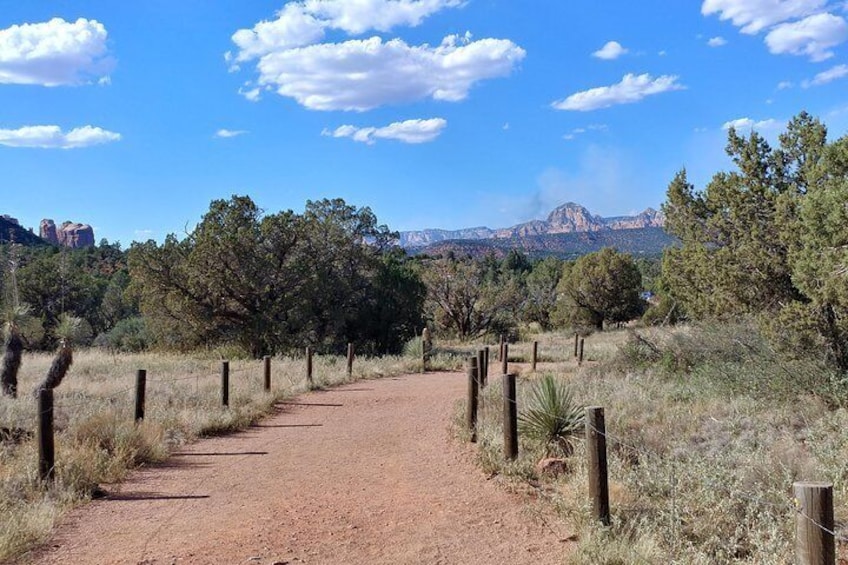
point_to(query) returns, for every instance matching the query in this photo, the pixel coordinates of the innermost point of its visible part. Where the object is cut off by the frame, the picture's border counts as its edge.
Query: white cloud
(409, 131)
(824, 77)
(580, 131)
(227, 133)
(749, 124)
(361, 74)
(784, 84)
(717, 41)
(52, 137)
(632, 88)
(612, 50)
(54, 53)
(303, 23)
(364, 74)
(813, 36)
(754, 16)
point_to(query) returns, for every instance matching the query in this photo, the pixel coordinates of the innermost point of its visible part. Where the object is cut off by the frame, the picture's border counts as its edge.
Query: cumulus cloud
(409, 131)
(824, 77)
(813, 36)
(749, 124)
(227, 133)
(717, 41)
(784, 84)
(612, 50)
(52, 137)
(753, 16)
(361, 74)
(632, 88)
(364, 74)
(54, 53)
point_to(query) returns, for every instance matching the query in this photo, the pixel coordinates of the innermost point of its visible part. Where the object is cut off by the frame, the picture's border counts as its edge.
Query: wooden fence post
(425, 350)
(814, 525)
(140, 385)
(481, 363)
(473, 397)
(309, 366)
(576, 342)
(580, 353)
(501, 349)
(349, 359)
(596, 446)
(485, 369)
(267, 361)
(46, 452)
(225, 383)
(534, 357)
(510, 414)
(505, 359)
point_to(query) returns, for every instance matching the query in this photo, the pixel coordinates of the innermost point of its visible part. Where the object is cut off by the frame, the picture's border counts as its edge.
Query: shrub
(128, 336)
(551, 417)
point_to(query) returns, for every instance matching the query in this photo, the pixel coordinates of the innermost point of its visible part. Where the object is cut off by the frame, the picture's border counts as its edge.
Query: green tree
(599, 287)
(541, 295)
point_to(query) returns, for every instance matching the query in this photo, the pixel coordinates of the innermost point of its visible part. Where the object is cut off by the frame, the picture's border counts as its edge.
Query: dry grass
(705, 441)
(97, 441)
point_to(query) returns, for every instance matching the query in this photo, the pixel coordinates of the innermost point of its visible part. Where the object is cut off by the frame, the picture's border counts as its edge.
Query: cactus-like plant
(11, 360)
(551, 416)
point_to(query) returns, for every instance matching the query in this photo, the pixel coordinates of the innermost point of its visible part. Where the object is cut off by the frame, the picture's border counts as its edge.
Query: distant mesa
(69, 234)
(568, 218)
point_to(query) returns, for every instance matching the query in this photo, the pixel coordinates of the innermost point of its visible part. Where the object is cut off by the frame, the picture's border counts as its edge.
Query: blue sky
(132, 117)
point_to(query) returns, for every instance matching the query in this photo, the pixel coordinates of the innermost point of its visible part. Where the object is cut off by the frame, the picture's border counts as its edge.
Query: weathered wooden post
(225, 383)
(481, 363)
(267, 361)
(140, 384)
(473, 397)
(510, 414)
(596, 447)
(534, 356)
(814, 525)
(485, 369)
(426, 345)
(580, 354)
(46, 452)
(501, 349)
(349, 360)
(308, 366)
(505, 359)
(576, 342)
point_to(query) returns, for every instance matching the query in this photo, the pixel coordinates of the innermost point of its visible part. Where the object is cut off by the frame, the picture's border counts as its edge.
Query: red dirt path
(365, 473)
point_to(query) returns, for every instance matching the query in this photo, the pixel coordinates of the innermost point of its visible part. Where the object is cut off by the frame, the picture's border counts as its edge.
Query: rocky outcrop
(11, 220)
(568, 218)
(69, 234)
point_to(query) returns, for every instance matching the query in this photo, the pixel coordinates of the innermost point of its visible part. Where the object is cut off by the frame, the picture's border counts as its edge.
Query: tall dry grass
(97, 441)
(708, 429)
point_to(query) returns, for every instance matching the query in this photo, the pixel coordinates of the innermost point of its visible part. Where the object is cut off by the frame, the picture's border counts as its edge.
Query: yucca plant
(67, 331)
(14, 347)
(551, 417)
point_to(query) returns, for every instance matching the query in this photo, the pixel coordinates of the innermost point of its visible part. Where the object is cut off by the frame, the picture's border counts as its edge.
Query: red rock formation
(47, 231)
(69, 234)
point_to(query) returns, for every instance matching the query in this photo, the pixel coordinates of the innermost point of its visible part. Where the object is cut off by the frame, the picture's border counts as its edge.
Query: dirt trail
(365, 473)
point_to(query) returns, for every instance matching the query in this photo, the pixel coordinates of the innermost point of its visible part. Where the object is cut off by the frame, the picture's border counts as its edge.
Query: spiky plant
(551, 416)
(68, 330)
(14, 347)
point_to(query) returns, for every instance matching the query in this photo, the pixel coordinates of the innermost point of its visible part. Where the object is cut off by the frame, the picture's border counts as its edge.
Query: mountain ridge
(566, 218)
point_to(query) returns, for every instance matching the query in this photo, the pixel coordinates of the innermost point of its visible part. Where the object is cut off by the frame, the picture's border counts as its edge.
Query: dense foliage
(768, 239)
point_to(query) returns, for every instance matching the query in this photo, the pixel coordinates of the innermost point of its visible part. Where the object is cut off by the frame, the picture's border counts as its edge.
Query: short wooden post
(349, 359)
(481, 362)
(505, 359)
(485, 369)
(534, 356)
(580, 353)
(814, 525)
(425, 350)
(225, 383)
(46, 452)
(576, 343)
(501, 350)
(510, 413)
(140, 384)
(267, 361)
(596, 447)
(309, 366)
(473, 397)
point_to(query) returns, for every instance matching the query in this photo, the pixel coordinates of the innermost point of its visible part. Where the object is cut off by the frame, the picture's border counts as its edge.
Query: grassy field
(97, 441)
(707, 430)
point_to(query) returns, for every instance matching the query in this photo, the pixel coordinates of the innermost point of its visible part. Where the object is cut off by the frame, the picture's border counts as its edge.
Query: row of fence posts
(46, 445)
(814, 520)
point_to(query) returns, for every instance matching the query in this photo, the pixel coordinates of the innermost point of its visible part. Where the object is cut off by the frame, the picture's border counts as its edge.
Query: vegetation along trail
(364, 473)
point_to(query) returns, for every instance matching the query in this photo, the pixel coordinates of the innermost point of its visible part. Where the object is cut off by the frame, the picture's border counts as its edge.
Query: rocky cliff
(12, 232)
(69, 234)
(568, 218)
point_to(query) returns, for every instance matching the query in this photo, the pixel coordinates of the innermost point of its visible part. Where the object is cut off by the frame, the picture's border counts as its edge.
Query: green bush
(128, 336)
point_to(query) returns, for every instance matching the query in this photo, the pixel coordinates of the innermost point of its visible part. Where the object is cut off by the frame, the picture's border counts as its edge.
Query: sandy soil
(365, 473)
